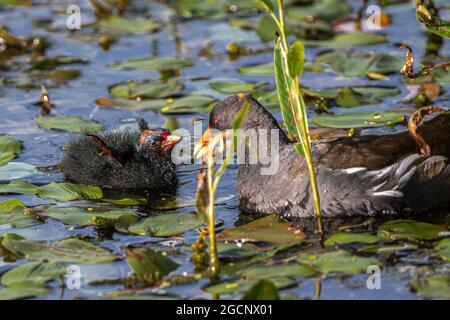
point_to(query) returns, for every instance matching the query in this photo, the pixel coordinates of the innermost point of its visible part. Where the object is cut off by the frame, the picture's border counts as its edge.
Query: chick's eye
(153, 139)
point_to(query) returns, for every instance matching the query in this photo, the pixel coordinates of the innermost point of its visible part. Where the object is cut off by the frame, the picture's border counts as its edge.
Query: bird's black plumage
(363, 175)
(124, 158)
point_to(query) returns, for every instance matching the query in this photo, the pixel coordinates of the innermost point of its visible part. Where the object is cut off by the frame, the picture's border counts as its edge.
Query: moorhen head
(364, 175)
(124, 158)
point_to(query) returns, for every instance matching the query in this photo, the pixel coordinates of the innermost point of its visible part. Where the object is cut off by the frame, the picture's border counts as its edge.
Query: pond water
(203, 41)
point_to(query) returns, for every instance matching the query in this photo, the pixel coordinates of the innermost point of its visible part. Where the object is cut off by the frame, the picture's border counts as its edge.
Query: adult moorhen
(124, 158)
(364, 175)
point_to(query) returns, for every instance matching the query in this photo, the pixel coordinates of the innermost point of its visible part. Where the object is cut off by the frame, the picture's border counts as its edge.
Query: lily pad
(68, 191)
(358, 120)
(153, 64)
(347, 238)
(67, 250)
(337, 262)
(72, 124)
(345, 40)
(147, 89)
(231, 250)
(241, 285)
(83, 217)
(37, 272)
(267, 229)
(443, 249)
(128, 24)
(147, 261)
(49, 63)
(410, 229)
(320, 9)
(269, 271)
(19, 187)
(436, 286)
(389, 248)
(17, 170)
(355, 63)
(22, 290)
(193, 103)
(235, 87)
(262, 290)
(12, 215)
(166, 225)
(9, 149)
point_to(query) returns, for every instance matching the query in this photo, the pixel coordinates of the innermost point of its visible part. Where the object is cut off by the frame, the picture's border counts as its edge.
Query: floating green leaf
(262, 290)
(83, 217)
(269, 271)
(347, 238)
(320, 9)
(49, 63)
(128, 24)
(268, 69)
(345, 40)
(443, 249)
(410, 229)
(355, 63)
(235, 87)
(358, 120)
(154, 64)
(11, 206)
(67, 250)
(74, 124)
(17, 170)
(241, 285)
(338, 261)
(144, 261)
(9, 149)
(37, 272)
(19, 187)
(69, 191)
(22, 290)
(166, 225)
(436, 286)
(147, 89)
(267, 229)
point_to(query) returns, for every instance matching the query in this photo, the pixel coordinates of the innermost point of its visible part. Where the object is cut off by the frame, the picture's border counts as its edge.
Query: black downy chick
(125, 158)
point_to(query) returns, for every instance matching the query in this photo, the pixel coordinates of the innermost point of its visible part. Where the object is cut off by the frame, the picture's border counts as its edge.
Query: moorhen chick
(364, 175)
(123, 158)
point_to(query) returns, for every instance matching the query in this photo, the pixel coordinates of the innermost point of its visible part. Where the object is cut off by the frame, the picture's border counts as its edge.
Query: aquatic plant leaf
(347, 238)
(11, 206)
(242, 285)
(410, 229)
(269, 271)
(262, 290)
(355, 63)
(231, 250)
(68, 191)
(147, 89)
(128, 24)
(153, 64)
(49, 63)
(144, 261)
(37, 272)
(267, 229)
(268, 69)
(358, 120)
(433, 23)
(19, 187)
(345, 40)
(443, 249)
(235, 87)
(17, 170)
(296, 59)
(74, 124)
(337, 262)
(193, 103)
(388, 248)
(366, 92)
(166, 225)
(435, 286)
(349, 98)
(320, 9)
(9, 149)
(83, 217)
(67, 250)
(22, 290)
